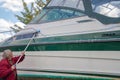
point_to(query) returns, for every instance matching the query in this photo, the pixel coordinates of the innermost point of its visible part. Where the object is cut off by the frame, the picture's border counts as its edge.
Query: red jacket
(5, 68)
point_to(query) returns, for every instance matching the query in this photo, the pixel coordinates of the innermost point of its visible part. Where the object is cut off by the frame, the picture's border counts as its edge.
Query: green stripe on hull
(52, 77)
(104, 41)
(87, 46)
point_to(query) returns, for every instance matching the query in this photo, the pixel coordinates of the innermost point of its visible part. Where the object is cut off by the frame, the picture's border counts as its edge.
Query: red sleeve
(4, 70)
(16, 58)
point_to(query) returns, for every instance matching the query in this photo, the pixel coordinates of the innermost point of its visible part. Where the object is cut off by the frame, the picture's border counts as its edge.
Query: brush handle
(25, 48)
(29, 42)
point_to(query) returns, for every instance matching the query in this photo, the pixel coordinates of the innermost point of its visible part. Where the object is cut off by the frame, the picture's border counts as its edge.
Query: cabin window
(109, 8)
(56, 14)
(24, 36)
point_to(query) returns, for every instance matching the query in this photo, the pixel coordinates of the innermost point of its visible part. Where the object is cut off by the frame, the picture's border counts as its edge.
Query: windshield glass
(56, 14)
(110, 8)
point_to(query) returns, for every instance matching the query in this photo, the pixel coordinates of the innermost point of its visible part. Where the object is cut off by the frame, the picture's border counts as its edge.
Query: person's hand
(23, 52)
(13, 67)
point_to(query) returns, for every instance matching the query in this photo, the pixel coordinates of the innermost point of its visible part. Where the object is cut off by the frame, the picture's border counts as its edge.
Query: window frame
(58, 7)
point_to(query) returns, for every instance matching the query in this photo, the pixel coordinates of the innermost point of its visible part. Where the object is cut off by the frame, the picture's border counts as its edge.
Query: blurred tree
(29, 13)
(17, 27)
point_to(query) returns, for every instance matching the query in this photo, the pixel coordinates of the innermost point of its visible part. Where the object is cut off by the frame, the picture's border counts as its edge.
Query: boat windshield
(54, 14)
(109, 8)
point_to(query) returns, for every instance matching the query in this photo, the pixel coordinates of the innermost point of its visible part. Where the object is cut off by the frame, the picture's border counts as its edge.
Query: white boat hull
(93, 62)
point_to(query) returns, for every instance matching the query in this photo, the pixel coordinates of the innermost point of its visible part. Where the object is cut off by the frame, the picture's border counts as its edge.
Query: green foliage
(29, 13)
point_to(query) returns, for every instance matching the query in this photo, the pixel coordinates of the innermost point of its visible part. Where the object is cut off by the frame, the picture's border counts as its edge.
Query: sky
(8, 10)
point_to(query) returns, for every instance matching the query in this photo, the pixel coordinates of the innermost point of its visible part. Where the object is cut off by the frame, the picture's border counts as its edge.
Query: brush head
(37, 31)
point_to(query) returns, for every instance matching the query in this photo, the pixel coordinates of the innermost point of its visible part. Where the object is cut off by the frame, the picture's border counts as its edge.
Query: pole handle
(25, 48)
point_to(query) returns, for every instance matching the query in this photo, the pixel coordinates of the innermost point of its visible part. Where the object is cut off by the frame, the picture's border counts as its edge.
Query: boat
(77, 39)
